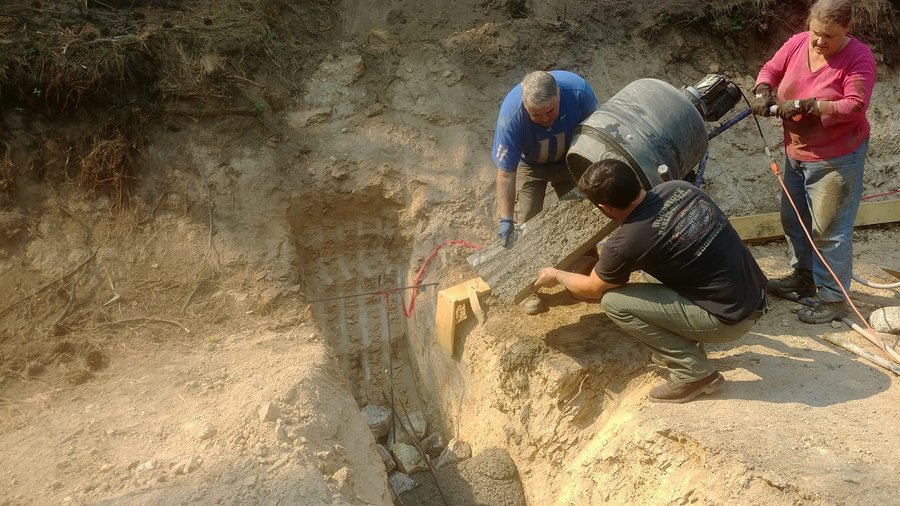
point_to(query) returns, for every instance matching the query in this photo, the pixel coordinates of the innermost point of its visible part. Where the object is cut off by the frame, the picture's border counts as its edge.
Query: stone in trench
(419, 424)
(147, 466)
(455, 451)
(329, 462)
(386, 458)
(187, 466)
(268, 412)
(378, 419)
(409, 461)
(401, 483)
(281, 432)
(434, 444)
(206, 432)
(342, 480)
(886, 319)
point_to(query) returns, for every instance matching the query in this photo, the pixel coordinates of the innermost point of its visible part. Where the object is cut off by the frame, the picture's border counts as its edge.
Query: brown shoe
(683, 392)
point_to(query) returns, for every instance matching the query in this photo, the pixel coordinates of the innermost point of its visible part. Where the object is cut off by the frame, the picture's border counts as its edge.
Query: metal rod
(379, 292)
(728, 124)
(852, 348)
(412, 435)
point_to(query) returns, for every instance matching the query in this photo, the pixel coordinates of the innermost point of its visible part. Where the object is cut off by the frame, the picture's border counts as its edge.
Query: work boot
(823, 312)
(800, 282)
(532, 305)
(683, 392)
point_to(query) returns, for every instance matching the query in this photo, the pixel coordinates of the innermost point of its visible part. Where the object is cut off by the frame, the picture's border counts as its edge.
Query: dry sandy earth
(174, 352)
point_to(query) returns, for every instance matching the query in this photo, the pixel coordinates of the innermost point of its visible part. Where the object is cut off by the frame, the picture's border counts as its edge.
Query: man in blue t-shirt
(534, 131)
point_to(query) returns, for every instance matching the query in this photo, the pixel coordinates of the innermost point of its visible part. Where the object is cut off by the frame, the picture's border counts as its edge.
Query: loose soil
(174, 215)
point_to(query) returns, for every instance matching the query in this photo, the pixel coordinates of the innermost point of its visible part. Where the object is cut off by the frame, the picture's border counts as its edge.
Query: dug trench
(227, 336)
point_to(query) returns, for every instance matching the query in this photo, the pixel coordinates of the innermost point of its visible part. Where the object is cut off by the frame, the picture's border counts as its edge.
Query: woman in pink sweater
(824, 79)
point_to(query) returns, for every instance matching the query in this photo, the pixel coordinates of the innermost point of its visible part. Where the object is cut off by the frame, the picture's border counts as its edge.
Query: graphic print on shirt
(544, 148)
(696, 220)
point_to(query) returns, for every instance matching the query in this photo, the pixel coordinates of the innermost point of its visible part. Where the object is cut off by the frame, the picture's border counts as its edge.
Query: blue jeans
(827, 194)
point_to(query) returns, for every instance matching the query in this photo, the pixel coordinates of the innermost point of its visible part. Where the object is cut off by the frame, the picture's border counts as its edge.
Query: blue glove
(505, 231)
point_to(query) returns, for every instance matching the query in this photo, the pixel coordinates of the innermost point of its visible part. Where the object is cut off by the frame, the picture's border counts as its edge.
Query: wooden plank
(768, 225)
(475, 304)
(445, 323)
(448, 300)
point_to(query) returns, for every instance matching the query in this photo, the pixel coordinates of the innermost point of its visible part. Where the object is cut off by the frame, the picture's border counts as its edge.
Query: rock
(378, 419)
(147, 466)
(268, 412)
(339, 173)
(386, 458)
(268, 297)
(836, 324)
(302, 119)
(433, 444)
(886, 319)
(374, 109)
(344, 70)
(401, 483)
(280, 463)
(280, 431)
(329, 462)
(343, 481)
(419, 426)
(187, 466)
(456, 450)
(408, 458)
(207, 432)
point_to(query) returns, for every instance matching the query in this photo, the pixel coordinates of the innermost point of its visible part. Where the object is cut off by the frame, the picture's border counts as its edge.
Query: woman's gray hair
(539, 88)
(839, 12)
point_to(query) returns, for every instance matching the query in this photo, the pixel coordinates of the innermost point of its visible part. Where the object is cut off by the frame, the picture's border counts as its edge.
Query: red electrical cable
(408, 311)
(885, 194)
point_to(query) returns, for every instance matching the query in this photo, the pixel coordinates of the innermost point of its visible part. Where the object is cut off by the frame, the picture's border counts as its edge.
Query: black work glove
(505, 231)
(790, 108)
(763, 99)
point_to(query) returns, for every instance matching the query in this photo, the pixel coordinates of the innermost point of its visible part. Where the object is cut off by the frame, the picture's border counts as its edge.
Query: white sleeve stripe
(501, 152)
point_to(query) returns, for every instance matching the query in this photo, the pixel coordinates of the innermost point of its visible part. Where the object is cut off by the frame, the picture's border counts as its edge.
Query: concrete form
(556, 237)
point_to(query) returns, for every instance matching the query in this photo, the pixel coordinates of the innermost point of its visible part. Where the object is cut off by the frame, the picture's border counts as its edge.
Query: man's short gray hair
(539, 88)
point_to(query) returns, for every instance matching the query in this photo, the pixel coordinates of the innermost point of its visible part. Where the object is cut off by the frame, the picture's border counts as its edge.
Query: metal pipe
(730, 123)
(852, 348)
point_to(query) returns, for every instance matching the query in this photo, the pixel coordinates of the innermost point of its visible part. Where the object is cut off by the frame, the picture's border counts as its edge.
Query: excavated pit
(334, 172)
(349, 247)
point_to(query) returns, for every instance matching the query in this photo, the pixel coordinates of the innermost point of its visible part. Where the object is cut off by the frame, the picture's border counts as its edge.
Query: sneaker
(823, 312)
(683, 392)
(799, 282)
(532, 305)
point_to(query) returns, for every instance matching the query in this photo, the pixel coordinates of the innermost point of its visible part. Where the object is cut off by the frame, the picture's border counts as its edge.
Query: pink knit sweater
(843, 87)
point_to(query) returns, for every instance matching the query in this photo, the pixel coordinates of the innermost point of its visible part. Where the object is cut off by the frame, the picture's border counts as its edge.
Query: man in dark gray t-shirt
(711, 289)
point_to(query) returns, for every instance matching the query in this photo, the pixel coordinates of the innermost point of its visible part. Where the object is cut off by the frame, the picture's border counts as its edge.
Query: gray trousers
(673, 327)
(532, 182)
